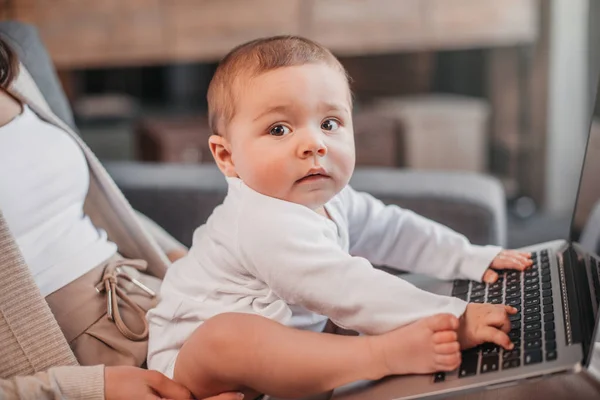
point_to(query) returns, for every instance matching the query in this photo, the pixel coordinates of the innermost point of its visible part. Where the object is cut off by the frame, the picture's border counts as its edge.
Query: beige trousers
(102, 313)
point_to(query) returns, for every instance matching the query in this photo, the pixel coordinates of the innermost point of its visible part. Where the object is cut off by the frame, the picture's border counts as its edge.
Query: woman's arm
(59, 382)
(95, 383)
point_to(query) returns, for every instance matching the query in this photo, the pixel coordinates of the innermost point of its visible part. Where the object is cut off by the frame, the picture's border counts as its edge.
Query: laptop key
(531, 287)
(547, 300)
(548, 309)
(531, 309)
(459, 290)
(546, 272)
(548, 317)
(514, 302)
(468, 367)
(533, 357)
(514, 363)
(477, 286)
(489, 363)
(515, 325)
(514, 335)
(529, 281)
(511, 287)
(509, 355)
(489, 348)
(550, 345)
(547, 293)
(546, 285)
(532, 318)
(478, 293)
(549, 326)
(532, 295)
(477, 299)
(495, 293)
(439, 377)
(550, 335)
(551, 355)
(512, 295)
(533, 335)
(531, 274)
(463, 297)
(531, 302)
(533, 326)
(546, 278)
(461, 282)
(533, 344)
(514, 317)
(495, 300)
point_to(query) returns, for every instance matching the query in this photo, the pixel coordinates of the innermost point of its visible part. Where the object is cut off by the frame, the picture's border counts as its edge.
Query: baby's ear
(221, 151)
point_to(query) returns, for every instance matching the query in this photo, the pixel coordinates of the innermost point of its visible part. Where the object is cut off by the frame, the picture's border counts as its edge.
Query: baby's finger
(493, 335)
(490, 276)
(499, 319)
(448, 360)
(507, 262)
(447, 348)
(511, 310)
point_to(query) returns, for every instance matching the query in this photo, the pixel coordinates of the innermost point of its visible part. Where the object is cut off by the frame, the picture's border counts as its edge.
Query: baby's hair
(254, 58)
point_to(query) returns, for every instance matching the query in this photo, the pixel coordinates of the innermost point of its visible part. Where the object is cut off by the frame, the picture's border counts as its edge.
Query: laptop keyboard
(532, 328)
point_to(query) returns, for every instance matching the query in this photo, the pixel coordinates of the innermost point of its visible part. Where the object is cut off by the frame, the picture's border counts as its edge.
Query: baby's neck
(322, 211)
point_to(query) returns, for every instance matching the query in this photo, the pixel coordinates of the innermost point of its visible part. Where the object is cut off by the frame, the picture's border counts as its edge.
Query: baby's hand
(482, 323)
(507, 259)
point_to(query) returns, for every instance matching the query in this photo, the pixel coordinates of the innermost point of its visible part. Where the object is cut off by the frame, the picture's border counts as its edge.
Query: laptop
(556, 330)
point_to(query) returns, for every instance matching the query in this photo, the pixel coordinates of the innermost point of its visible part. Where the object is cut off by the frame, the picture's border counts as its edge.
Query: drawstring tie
(110, 285)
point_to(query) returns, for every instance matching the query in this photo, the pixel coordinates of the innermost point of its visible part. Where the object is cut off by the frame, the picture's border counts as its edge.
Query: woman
(68, 244)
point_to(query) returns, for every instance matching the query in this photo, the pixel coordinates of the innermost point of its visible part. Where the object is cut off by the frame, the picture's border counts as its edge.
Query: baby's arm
(301, 262)
(399, 238)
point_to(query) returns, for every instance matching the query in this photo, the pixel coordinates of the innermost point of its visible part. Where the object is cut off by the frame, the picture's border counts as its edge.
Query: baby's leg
(252, 354)
(425, 346)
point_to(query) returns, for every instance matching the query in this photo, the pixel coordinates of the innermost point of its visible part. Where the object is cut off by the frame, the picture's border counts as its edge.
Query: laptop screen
(585, 224)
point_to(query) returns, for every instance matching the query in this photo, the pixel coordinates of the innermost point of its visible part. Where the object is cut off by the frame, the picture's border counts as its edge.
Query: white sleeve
(401, 239)
(301, 262)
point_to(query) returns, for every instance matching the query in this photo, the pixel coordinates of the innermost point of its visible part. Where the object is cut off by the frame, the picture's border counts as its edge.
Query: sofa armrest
(181, 197)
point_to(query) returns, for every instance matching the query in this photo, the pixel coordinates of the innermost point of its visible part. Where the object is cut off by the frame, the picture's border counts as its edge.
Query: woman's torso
(43, 186)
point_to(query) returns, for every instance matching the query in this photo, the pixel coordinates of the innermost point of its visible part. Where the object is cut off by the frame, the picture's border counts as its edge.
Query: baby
(294, 243)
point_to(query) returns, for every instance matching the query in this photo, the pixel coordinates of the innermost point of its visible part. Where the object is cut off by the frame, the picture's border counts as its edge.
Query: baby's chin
(314, 201)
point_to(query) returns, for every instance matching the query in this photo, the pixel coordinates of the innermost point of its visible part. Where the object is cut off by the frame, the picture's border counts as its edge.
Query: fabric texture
(281, 260)
(58, 383)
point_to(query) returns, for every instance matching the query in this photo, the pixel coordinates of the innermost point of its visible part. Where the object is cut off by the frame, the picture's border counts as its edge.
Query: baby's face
(291, 137)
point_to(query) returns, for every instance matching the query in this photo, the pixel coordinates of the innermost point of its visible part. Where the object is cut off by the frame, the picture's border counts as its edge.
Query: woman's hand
(126, 383)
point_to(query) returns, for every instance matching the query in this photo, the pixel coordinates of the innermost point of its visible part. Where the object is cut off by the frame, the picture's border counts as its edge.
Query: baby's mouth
(315, 174)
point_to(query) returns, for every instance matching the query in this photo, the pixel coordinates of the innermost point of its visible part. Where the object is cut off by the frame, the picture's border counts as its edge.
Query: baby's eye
(330, 125)
(279, 130)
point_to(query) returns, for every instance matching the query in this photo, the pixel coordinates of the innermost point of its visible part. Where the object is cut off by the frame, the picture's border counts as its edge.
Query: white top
(44, 179)
(257, 254)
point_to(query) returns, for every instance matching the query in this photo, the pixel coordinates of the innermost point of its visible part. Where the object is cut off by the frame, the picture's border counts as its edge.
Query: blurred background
(501, 88)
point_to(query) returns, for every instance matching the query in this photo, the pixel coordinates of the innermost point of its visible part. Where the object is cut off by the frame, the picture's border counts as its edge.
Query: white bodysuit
(257, 254)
